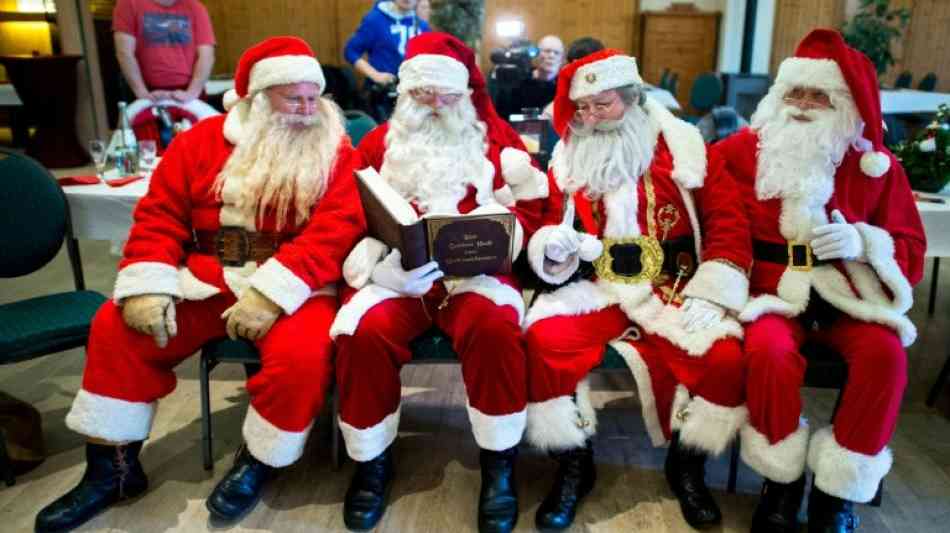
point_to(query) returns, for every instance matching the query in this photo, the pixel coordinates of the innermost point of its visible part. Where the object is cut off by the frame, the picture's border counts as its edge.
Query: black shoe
(366, 498)
(777, 511)
(686, 472)
(498, 499)
(828, 514)
(113, 473)
(574, 480)
(240, 489)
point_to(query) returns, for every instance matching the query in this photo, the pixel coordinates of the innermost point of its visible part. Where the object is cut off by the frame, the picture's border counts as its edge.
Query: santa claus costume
(823, 179)
(667, 210)
(198, 199)
(457, 158)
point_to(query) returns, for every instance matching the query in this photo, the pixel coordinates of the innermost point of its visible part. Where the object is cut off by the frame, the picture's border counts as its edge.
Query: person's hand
(155, 96)
(563, 241)
(384, 78)
(838, 240)
(699, 314)
(184, 96)
(252, 316)
(151, 314)
(416, 282)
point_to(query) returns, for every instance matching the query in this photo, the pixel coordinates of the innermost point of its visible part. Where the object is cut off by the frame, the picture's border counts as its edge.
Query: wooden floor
(437, 460)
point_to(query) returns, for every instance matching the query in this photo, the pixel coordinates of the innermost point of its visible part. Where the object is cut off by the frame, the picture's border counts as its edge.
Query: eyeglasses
(600, 109)
(430, 96)
(805, 98)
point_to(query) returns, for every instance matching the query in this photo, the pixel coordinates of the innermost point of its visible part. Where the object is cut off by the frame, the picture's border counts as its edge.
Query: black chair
(928, 83)
(705, 94)
(34, 224)
(826, 370)
(903, 81)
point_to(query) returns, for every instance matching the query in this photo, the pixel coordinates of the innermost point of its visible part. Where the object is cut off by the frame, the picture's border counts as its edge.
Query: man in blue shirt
(382, 37)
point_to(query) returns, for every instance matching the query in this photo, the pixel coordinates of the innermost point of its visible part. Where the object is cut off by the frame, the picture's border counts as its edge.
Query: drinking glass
(97, 148)
(147, 151)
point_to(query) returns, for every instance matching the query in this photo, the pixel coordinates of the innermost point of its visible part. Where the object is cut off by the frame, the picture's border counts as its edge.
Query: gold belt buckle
(799, 266)
(651, 259)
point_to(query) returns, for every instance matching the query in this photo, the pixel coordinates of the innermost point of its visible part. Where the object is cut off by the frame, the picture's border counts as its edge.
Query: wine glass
(97, 148)
(147, 152)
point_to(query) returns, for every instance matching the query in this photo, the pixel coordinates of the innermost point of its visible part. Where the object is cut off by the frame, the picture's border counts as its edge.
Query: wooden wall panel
(795, 18)
(924, 46)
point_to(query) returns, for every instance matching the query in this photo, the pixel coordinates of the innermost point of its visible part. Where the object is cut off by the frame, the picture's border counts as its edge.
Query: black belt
(797, 256)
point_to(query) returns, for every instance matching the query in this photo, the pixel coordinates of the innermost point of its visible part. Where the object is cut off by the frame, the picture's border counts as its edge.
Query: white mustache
(288, 119)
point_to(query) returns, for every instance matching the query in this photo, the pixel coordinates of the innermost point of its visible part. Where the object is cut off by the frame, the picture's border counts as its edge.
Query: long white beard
(798, 160)
(283, 161)
(432, 159)
(604, 157)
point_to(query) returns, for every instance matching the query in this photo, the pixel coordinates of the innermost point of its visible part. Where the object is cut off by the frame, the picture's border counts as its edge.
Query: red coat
(180, 200)
(885, 215)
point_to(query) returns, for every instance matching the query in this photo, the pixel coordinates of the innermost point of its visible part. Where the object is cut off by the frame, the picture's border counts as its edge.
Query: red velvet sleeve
(897, 214)
(725, 224)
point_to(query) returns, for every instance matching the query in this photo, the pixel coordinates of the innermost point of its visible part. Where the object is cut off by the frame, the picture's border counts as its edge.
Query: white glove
(563, 241)
(699, 314)
(838, 240)
(151, 314)
(251, 316)
(516, 166)
(416, 282)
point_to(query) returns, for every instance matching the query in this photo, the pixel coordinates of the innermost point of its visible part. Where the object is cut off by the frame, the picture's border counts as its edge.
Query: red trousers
(126, 373)
(562, 350)
(487, 339)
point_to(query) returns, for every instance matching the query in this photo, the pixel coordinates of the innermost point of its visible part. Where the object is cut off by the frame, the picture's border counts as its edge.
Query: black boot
(498, 499)
(574, 480)
(113, 473)
(686, 473)
(828, 514)
(366, 498)
(240, 489)
(777, 511)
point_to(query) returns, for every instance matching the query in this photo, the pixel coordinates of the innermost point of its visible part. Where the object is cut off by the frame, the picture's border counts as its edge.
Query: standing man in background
(382, 37)
(165, 48)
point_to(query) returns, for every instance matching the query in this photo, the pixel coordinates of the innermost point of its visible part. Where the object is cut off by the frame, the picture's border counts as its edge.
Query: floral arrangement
(926, 157)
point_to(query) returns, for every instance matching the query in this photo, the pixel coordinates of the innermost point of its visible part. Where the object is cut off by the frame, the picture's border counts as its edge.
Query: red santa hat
(273, 61)
(435, 59)
(601, 71)
(824, 61)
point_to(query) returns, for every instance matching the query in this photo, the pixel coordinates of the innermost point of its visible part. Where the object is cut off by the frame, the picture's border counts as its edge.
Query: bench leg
(733, 467)
(335, 435)
(938, 386)
(932, 304)
(205, 414)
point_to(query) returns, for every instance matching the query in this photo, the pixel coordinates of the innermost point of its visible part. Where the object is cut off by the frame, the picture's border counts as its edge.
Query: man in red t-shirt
(165, 47)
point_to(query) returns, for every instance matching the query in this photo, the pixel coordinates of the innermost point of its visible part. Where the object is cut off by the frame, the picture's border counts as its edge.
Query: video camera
(514, 63)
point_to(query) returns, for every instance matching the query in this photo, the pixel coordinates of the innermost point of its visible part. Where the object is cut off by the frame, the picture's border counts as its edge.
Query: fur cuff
(490, 287)
(879, 251)
(349, 315)
(845, 474)
(547, 270)
(362, 259)
(271, 445)
(147, 277)
(706, 426)
(784, 461)
(280, 285)
(527, 182)
(110, 419)
(365, 444)
(496, 432)
(719, 283)
(561, 423)
(578, 298)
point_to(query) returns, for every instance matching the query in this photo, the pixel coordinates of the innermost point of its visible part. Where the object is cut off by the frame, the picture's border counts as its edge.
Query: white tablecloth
(101, 212)
(910, 101)
(8, 95)
(936, 217)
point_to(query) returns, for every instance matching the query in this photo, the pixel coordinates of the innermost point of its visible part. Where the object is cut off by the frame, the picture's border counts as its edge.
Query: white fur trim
(609, 73)
(280, 285)
(365, 444)
(685, 142)
(193, 288)
(110, 419)
(489, 287)
(362, 259)
(146, 277)
(496, 432)
(621, 210)
(561, 423)
(578, 298)
(504, 196)
(281, 70)
(432, 70)
(547, 270)
(879, 251)
(655, 317)
(875, 164)
(349, 315)
(233, 128)
(806, 72)
(720, 283)
(690, 205)
(237, 278)
(230, 99)
(707, 426)
(527, 182)
(641, 374)
(784, 461)
(843, 473)
(271, 445)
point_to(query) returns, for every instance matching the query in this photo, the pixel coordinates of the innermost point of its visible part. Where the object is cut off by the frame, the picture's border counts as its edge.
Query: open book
(463, 245)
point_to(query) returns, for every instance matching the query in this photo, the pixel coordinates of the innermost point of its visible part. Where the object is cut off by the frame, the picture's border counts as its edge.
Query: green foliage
(926, 157)
(461, 18)
(872, 30)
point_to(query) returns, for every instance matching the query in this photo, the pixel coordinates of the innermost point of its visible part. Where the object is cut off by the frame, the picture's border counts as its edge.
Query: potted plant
(926, 157)
(873, 28)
